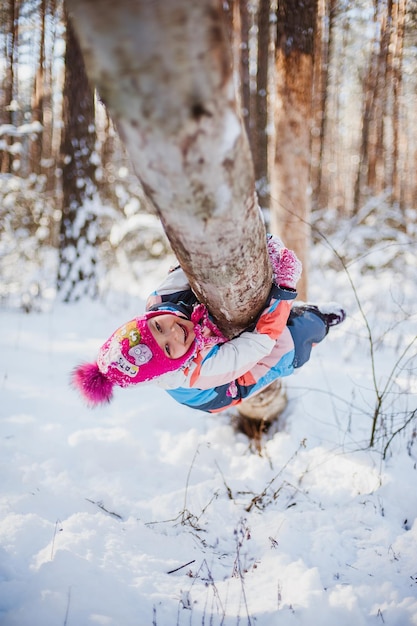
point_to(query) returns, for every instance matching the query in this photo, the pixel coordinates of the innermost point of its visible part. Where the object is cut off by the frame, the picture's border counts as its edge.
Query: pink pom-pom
(93, 385)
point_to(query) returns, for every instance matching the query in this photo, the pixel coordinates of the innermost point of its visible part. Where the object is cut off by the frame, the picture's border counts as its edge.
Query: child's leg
(309, 324)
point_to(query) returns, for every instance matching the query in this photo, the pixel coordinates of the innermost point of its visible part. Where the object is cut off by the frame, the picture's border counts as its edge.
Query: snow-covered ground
(148, 513)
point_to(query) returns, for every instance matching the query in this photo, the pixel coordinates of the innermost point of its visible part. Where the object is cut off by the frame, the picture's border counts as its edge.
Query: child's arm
(236, 357)
(228, 361)
(285, 266)
(174, 287)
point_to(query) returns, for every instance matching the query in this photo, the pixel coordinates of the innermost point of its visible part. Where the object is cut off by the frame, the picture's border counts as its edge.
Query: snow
(147, 512)
(19, 131)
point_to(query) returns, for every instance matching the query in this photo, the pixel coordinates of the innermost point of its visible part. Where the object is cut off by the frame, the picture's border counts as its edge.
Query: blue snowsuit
(279, 341)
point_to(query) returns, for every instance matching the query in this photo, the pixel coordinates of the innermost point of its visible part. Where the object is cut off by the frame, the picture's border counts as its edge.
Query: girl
(178, 346)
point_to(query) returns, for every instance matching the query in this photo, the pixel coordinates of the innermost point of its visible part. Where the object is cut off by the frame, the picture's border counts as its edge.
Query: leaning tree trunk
(163, 69)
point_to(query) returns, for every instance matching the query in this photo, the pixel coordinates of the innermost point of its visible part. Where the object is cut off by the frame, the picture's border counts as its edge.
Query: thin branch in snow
(68, 606)
(228, 490)
(188, 481)
(180, 567)
(257, 500)
(103, 508)
(53, 538)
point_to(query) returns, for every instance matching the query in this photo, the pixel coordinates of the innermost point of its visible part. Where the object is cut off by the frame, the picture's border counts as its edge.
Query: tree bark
(49, 143)
(262, 143)
(78, 234)
(370, 103)
(6, 113)
(290, 201)
(327, 11)
(245, 22)
(375, 181)
(164, 71)
(36, 152)
(396, 73)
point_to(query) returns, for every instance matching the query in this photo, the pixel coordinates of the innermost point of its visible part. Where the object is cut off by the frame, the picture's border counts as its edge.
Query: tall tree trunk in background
(398, 170)
(164, 71)
(229, 8)
(36, 152)
(319, 99)
(50, 143)
(16, 114)
(238, 26)
(78, 233)
(11, 11)
(290, 202)
(368, 92)
(375, 180)
(327, 10)
(370, 86)
(261, 147)
(245, 21)
(6, 91)
(107, 187)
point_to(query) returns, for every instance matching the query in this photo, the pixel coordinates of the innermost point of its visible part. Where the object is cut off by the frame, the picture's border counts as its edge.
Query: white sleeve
(221, 364)
(232, 359)
(174, 281)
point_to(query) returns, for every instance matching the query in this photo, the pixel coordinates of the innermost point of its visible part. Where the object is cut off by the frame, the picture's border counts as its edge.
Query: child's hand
(289, 269)
(286, 266)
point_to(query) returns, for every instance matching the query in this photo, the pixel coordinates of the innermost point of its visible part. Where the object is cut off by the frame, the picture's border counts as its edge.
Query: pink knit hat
(130, 356)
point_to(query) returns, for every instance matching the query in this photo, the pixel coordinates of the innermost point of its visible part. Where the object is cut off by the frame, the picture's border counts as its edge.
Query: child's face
(173, 334)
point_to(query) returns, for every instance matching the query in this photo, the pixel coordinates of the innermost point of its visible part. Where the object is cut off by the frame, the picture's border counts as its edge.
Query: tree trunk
(396, 71)
(290, 206)
(77, 246)
(244, 70)
(261, 151)
(321, 80)
(38, 95)
(7, 117)
(49, 141)
(376, 162)
(370, 86)
(164, 71)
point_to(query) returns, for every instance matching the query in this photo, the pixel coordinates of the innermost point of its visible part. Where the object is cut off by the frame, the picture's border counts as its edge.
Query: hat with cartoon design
(130, 356)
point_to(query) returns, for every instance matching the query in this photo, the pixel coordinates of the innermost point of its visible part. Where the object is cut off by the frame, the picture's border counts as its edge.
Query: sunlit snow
(146, 512)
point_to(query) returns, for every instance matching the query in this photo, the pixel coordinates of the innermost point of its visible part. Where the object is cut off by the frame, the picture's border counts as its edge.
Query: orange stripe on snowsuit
(247, 379)
(274, 322)
(197, 361)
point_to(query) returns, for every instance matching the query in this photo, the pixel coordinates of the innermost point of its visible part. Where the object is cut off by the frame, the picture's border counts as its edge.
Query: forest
(59, 150)
(145, 511)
